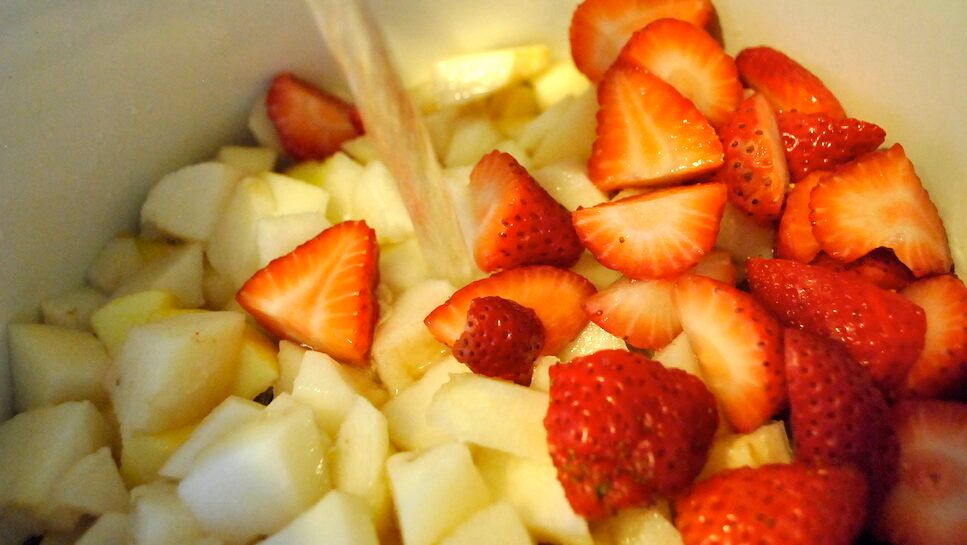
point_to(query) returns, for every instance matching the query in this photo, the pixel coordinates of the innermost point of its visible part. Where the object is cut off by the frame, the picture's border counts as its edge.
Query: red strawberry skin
(519, 222)
(502, 339)
(785, 83)
(781, 504)
(878, 328)
(311, 123)
(941, 369)
(322, 294)
(879, 267)
(622, 428)
(754, 167)
(820, 142)
(928, 506)
(838, 415)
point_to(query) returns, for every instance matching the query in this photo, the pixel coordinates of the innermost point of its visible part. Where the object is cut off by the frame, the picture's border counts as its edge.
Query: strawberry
(754, 166)
(838, 415)
(941, 369)
(622, 428)
(878, 201)
(311, 123)
(788, 504)
(502, 339)
(795, 239)
(648, 133)
(322, 294)
(656, 234)
(879, 267)
(785, 83)
(820, 142)
(927, 505)
(518, 222)
(719, 266)
(690, 60)
(877, 327)
(739, 348)
(556, 295)
(600, 28)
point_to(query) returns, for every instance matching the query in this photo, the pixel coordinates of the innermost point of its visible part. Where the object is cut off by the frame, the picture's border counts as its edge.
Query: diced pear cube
(290, 361)
(179, 274)
(768, 444)
(464, 78)
(279, 235)
(295, 196)
(262, 128)
(534, 131)
(113, 321)
(232, 249)
(337, 519)
(258, 364)
(492, 413)
(152, 247)
(637, 526)
(570, 138)
(322, 384)
(339, 175)
(591, 339)
(217, 288)
(678, 354)
(228, 416)
(73, 309)
(557, 82)
(495, 525)
(258, 478)
(377, 200)
(160, 517)
(435, 491)
(51, 364)
(568, 183)
(109, 529)
(406, 414)
(440, 126)
(541, 377)
(743, 237)
(93, 486)
(174, 371)
(531, 486)
(402, 265)
(359, 460)
(361, 149)
(512, 108)
(517, 151)
(249, 160)
(187, 203)
(599, 275)
(144, 454)
(117, 260)
(473, 136)
(38, 447)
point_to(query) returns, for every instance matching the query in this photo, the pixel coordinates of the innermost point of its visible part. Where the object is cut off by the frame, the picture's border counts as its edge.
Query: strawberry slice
(556, 295)
(656, 234)
(322, 294)
(311, 124)
(690, 60)
(754, 166)
(879, 267)
(519, 223)
(788, 504)
(926, 507)
(600, 28)
(877, 327)
(795, 239)
(739, 347)
(878, 201)
(838, 415)
(941, 369)
(648, 133)
(820, 142)
(622, 428)
(502, 339)
(786, 83)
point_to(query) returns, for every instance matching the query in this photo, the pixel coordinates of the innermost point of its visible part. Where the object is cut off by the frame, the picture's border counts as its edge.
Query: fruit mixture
(711, 307)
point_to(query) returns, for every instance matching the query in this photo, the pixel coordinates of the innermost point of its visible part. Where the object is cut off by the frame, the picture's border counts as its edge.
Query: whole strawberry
(819, 141)
(622, 428)
(502, 339)
(781, 504)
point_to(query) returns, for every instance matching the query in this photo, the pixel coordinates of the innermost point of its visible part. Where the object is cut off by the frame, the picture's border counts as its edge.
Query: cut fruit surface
(941, 369)
(642, 312)
(795, 239)
(786, 83)
(310, 124)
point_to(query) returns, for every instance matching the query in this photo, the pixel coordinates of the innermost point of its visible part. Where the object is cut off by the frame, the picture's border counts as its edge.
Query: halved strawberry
(656, 234)
(690, 60)
(788, 504)
(600, 28)
(556, 295)
(648, 133)
(820, 142)
(786, 83)
(502, 339)
(795, 239)
(879, 267)
(877, 327)
(311, 124)
(739, 347)
(941, 369)
(838, 415)
(322, 294)
(927, 505)
(518, 223)
(878, 201)
(755, 165)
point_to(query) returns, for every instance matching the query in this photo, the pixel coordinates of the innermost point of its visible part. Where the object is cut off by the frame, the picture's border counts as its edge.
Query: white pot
(99, 98)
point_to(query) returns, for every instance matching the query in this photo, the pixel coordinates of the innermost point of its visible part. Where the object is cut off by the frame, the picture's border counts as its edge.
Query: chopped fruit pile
(709, 307)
